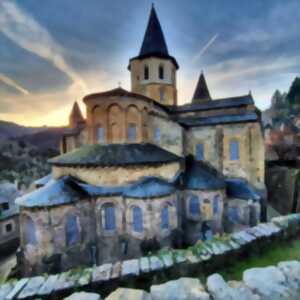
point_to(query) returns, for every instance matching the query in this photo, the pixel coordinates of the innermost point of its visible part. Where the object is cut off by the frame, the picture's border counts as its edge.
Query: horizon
(51, 59)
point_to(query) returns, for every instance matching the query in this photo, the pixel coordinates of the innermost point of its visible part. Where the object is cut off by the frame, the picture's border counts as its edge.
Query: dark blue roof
(199, 176)
(242, 189)
(214, 104)
(55, 192)
(149, 187)
(223, 119)
(93, 191)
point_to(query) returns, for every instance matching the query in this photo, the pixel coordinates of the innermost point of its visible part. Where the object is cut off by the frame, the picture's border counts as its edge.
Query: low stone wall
(155, 269)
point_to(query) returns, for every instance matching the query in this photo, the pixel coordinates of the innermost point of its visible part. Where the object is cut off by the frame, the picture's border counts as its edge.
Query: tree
(278, 100)
(293, 95)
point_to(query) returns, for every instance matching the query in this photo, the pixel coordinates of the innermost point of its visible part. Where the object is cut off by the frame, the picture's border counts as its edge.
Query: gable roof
(200, 176)
(201, 93)
(115, 155)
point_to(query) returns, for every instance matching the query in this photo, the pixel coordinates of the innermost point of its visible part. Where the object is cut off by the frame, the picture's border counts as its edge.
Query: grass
(272, 256)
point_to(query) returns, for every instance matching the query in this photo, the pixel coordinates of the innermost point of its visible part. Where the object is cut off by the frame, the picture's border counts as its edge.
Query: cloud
(27, 33)
(10, 82)
(205, 48)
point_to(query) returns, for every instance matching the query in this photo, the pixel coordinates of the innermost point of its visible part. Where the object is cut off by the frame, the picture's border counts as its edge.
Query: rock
(181, 289)
(291, 270)
(83, 296)
(116, 270)
(220, 290)
(167, 260)
(32, 287)
(130, 294)
(5, 289)
(48, 286)
(85, 277)
(155, 263)
(63, 282)
(144, 264)
(269, 283)
(17, 288)
(101, 273)
(130, 267)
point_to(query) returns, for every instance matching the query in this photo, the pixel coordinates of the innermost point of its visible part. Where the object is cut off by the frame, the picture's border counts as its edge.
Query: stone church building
(142, 172)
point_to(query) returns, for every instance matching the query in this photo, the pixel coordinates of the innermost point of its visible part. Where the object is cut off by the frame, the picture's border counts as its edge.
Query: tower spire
(75, 117)
(201, 93)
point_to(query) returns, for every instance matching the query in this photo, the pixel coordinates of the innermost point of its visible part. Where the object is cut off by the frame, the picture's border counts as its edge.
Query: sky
(53, 52)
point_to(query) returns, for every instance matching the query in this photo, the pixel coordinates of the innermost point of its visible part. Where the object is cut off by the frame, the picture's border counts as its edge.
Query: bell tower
(153, 71)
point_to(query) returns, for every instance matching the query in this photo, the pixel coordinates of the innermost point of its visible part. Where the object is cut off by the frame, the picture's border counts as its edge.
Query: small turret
(201, 93)
(76, 119)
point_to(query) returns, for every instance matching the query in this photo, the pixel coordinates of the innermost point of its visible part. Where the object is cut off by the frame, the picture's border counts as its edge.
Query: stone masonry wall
(280, 282)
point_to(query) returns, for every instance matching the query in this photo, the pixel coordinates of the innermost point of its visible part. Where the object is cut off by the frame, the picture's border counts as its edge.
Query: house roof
(215, 104)
(242, 189)
(201, 93)
(115, 155)
(6, 214)
(44, 180)
(222, 119)
(8, 192)
(149, 187)
(55, 192)
(154, 43)
(200, 176)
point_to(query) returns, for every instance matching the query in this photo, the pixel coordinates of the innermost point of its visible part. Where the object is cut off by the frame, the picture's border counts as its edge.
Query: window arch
(194, 206)
(200, 151)
(164, 218)
(216, 204)
(132, 132)
(234, 149)
(72, 230)
(30, 232)
(146, 72)
(157, 135)
(137, 219)
(100, 133)
(108, 217)
(161, 72)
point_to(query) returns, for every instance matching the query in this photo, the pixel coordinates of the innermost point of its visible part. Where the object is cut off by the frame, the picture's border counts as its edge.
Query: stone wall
(216, 139)
(169, 265)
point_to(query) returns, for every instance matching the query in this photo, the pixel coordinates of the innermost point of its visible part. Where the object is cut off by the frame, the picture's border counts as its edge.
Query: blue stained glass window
(109, 217)
(157, 134)
(199, 152)
(234, 150)
(194, 205)
(164, 215)
(137, 217)
(30, 233)
(216, 202)
(72, 231)
(132, 132)
(100, 134)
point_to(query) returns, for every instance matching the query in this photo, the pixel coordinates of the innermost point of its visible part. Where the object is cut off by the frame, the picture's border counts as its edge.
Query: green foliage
(293, 95)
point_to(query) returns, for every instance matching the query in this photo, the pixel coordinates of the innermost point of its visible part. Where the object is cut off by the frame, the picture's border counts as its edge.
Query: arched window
(137, 219)
(132, 132)
(161, 94)
(199, 151)
(108, 216)
(30, 232)
(72, 231)
(216, 203)
(164, 216)
(161, 74)
(234, 148)
(157, 135)
(100, 134)
(194, 206)
(233, 214)
(207, 209)
(146, 72)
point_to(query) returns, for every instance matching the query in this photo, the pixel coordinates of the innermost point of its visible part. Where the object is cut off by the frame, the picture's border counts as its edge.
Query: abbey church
(141, 172)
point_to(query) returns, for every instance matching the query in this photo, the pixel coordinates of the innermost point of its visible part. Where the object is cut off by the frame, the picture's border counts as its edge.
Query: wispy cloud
(205, 48)
(10, 82)
(26, 32)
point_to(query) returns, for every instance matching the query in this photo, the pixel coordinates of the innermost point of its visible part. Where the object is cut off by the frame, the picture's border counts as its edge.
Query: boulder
(130, 294)
(181, 289)
(291, 270)
(220, 290)
(269, 283)
(83, 296)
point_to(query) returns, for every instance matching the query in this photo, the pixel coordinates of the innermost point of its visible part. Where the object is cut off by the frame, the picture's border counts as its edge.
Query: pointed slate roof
(154, 43)
(76, 116)
(201, 93)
